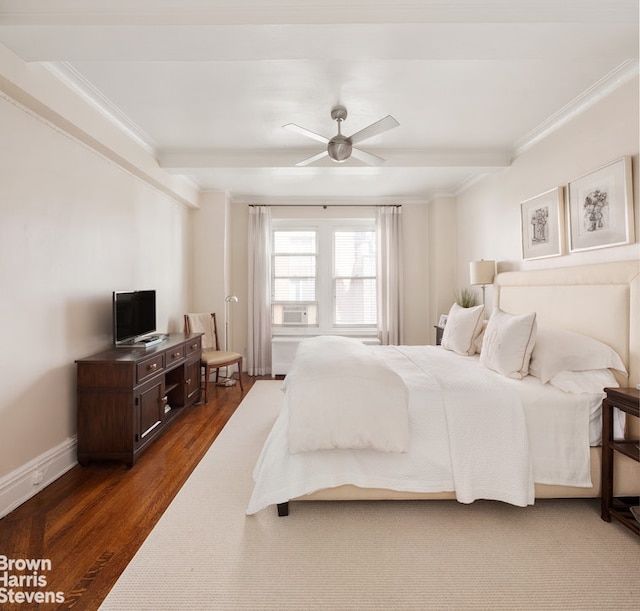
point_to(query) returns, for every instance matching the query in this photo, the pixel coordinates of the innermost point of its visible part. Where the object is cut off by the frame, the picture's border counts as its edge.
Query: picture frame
(443, 321)
(600, 207)
(542, 225)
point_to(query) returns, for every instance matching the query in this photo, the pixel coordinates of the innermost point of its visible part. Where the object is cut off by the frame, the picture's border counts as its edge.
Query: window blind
(354, 278)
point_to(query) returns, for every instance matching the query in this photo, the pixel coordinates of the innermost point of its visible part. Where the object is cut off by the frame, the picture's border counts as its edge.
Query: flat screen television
(134, 315)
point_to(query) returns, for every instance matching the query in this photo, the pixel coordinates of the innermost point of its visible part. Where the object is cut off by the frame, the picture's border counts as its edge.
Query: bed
(491, 431)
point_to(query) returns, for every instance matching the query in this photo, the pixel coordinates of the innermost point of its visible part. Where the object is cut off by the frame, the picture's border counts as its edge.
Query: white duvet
(341, 394)
(471, 431)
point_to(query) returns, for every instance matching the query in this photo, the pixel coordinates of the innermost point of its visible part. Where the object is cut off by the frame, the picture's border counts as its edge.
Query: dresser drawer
(149, 367)
(175, 355)
(193, 346)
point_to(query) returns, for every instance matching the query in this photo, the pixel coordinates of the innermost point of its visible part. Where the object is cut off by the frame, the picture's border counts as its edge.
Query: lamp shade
(482, 272)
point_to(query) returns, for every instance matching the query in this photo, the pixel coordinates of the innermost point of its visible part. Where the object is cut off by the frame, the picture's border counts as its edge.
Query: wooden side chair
(212, 356)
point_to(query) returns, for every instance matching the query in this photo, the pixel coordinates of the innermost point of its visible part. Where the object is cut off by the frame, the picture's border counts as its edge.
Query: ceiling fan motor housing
(339, 148)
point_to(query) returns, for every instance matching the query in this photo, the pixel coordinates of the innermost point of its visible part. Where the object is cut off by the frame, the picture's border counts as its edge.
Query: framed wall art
(600, 207)
(542, 219)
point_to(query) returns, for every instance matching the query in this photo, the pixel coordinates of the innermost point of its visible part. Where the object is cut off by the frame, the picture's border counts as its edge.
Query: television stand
(128, 395)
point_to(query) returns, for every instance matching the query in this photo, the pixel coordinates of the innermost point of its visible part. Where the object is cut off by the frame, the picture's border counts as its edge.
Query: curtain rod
(327, 205)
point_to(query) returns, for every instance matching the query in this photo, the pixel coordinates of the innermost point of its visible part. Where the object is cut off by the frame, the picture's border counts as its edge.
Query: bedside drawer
(149, 367)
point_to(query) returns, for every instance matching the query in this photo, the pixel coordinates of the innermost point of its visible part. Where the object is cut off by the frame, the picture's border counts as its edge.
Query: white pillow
(462, 328)
(508, 342)
(559, 350)
(591, 382)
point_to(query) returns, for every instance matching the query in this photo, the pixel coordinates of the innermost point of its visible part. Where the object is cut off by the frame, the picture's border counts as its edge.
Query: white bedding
(343, 395)
(472, 431)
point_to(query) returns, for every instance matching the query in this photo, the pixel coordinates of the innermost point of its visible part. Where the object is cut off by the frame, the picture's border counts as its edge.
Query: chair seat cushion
(219, 357)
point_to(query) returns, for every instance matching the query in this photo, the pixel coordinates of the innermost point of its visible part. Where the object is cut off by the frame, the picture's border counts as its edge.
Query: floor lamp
(482, 272)
(227, 311)
(228, 300)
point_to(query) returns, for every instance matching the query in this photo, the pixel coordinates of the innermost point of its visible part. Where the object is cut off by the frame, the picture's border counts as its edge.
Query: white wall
(420, 312)
(488, 214)
(219, 251)
(74, 226)
(209, 229)
(238, 249)
(442, 258)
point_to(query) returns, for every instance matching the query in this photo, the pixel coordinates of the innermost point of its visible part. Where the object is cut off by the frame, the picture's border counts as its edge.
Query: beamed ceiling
(207, 86)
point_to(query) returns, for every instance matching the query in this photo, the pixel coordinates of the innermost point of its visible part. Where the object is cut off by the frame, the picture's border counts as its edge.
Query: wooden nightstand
(627, 400)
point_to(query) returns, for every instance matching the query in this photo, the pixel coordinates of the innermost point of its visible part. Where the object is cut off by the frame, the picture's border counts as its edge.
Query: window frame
(335, 278)
(325, 281)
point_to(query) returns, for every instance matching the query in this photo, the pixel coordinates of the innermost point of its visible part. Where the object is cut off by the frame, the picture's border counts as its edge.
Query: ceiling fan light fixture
(339, 149)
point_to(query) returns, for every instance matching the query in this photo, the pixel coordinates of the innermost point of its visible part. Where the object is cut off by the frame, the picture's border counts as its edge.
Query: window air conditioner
(294, 315)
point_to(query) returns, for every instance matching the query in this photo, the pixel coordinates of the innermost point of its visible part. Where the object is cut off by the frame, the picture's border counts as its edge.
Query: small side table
(627, 400)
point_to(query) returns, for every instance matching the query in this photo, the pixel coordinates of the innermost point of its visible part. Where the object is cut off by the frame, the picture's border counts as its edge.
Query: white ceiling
(208, 84)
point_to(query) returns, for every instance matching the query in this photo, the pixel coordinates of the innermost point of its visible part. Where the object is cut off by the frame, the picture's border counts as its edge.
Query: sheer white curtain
(259, 335)
(390, 292)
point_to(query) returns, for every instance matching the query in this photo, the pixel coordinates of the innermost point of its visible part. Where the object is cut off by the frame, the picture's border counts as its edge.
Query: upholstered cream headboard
(601, 300)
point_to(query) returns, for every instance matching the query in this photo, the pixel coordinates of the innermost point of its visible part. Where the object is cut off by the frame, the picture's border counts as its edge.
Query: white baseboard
(26, 481)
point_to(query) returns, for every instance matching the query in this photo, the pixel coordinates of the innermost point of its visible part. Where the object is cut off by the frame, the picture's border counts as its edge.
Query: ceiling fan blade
(374, 129)
(305, 132)
(366, 157)
(312, 159)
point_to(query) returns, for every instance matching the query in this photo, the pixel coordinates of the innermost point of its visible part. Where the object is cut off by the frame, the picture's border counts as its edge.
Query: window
(354, 278)
(324, 275)
(294, 277)
(294, 265)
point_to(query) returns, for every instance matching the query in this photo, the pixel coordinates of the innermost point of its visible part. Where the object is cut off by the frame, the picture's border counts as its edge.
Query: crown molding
(597, 92)
(84, 89)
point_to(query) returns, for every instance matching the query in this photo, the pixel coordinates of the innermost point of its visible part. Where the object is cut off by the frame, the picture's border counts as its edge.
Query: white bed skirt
(626, 481)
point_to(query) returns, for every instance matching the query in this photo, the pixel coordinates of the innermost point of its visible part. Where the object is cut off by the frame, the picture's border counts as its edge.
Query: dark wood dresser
(127, 396)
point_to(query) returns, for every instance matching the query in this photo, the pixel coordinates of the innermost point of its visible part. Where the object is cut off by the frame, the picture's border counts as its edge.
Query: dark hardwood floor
(90, 522)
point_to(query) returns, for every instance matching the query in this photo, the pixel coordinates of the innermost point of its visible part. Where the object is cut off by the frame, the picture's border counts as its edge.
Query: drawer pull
(177, 355)
(153, 367)
(194, 346)
(187, 381)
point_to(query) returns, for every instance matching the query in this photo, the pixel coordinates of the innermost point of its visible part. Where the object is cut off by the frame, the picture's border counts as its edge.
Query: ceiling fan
(340, 148)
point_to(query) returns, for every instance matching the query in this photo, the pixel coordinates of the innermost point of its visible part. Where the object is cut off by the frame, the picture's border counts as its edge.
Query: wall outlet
(37, 477)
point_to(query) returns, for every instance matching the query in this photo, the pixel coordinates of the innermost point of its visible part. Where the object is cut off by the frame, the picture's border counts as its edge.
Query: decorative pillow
(508, 342)
(591, 382)
(559, 350)
(462, 328)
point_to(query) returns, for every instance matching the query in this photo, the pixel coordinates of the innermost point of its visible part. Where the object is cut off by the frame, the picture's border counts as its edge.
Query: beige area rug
(205, 553)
